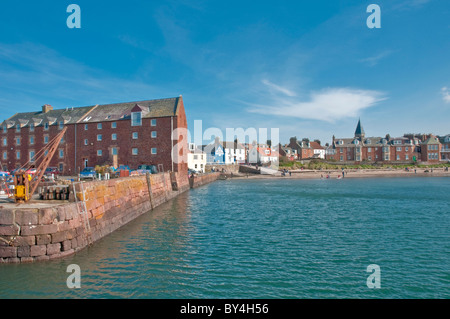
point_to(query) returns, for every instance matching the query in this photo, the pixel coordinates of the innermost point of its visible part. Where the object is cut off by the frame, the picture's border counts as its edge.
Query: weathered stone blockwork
(200, 180)
(28, 235)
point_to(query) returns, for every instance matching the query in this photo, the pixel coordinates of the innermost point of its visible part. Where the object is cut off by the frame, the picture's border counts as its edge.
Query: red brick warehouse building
(131, 133)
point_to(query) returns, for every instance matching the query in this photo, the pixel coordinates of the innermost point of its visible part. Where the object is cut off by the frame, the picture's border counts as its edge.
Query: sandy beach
(351, 173)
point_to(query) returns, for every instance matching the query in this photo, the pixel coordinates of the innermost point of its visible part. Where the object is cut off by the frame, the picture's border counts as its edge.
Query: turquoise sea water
(266, 239)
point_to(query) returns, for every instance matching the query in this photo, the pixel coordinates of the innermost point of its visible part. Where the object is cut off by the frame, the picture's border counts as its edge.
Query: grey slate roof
(118, 111)
(232, 145)
(431, 140)
(373, 141)
(69, 116)
(97, 113)
(444, 139)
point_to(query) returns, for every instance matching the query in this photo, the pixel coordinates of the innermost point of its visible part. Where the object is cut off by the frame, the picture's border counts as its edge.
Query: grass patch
(321, 165)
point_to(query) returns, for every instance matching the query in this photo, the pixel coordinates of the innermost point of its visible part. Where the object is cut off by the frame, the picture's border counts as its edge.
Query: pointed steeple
(359, 132)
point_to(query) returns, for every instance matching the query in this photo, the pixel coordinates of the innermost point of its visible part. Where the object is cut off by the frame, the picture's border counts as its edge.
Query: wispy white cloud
(32, 75)
(328, 105)
(373, 60)
(445, 94)
(410, 4)
(278, 88)
(418, 2)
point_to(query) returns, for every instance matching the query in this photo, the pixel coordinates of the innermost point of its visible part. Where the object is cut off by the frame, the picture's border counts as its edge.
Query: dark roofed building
(431, 149)
(302, 148)
(373, 149)
(131, 133)
(445, 147)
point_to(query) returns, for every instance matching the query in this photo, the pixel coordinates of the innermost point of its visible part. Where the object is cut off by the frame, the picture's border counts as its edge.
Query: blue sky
(310, 68)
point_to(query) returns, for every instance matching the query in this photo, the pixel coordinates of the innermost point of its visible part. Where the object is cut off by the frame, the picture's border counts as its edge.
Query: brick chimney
(46, 108)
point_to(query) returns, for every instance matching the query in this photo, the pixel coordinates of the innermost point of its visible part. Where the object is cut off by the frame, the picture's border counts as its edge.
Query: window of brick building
(99, 126)
(153, 122)
(113, 125)
(153, 150)
(114, 136)
(99, 153)
(154, 134)
(31, 140)
(136, 119)
(99, 137)
(86, 142)
(61, 153)
(134, 151)
(135, 135)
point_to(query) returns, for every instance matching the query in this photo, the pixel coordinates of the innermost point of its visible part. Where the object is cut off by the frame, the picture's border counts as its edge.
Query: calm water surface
(266, 239)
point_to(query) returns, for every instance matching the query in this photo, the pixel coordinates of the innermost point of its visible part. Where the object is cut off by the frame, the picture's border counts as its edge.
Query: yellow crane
(24, 183)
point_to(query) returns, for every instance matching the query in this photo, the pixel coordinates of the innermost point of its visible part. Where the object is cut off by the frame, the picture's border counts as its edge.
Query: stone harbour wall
(28, 235)
(200, 180)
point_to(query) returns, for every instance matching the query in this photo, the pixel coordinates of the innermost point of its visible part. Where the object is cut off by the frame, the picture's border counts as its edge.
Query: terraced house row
(131, 133)
(406, 149)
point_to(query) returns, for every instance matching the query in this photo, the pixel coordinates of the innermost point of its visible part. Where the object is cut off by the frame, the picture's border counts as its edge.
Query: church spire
(359, 132)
